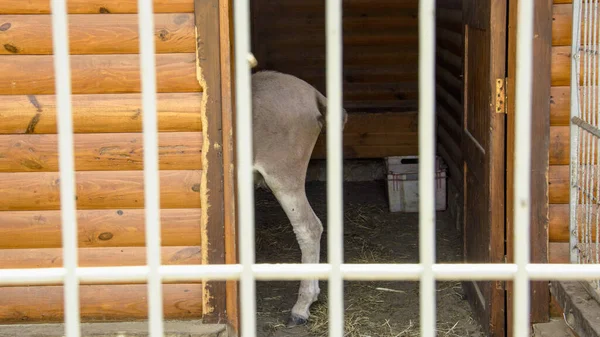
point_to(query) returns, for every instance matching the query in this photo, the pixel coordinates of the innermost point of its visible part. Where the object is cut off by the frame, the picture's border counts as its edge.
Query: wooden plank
(97, 190)
(98, 228)
(560, 105)
(558, 252)
(98, 303)
(559, 145)
(213, 228)
(95, 6)
(540, 141)
(96, 34)
(100, 152)
(558, 229)
(559, 223)
(558, 184)
(561, 66)
(97, 257)
(96, 74)
(562, 24)
(176, 112)
(229, 173)
(368, 151)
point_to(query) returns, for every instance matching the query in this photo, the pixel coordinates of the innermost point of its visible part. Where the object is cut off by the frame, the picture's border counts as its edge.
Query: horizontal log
(97, 257)
(559, 222)
(381, 123)
(96, 74)
(349, 24)
(562, 24)
(97, 190)
(558, 252)
(559, 152)
(561, 67)
(365, 39)
(368, 151)
(560, 141)
(395, 106)
(563, 1)
(176, 112)
(98, 303)
(559, 187)
(96, 34)
(100, 152)
(560, 105)
(98, 228)
(95, 6)
(558, 184)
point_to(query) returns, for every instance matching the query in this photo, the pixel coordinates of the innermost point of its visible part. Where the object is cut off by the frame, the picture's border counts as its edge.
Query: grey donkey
(289, 115)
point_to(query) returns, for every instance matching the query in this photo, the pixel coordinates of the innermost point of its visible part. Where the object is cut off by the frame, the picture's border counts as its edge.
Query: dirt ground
(371, 235)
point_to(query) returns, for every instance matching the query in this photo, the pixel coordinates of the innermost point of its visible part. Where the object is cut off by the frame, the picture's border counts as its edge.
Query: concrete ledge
(582, 311)
(555, 328)
(190, 328)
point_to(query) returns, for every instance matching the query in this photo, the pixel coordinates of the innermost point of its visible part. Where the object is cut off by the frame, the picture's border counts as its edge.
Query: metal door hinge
(501, 95)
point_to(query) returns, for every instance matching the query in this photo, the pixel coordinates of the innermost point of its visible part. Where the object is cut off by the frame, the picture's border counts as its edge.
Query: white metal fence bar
(281, 272)
(522, 155)
(574, 131)
(66, 164)
(335, 213)
(427, 292)
(245, 183)
(151, 177)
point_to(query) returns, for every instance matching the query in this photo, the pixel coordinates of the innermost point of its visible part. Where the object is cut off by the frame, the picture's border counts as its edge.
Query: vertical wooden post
(540, 142)
(208, 70)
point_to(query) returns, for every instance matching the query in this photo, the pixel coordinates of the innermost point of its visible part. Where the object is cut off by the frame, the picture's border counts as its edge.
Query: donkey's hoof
(296, 321)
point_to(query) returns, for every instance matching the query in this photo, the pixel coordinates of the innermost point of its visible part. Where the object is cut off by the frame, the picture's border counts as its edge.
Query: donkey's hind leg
(289, 190)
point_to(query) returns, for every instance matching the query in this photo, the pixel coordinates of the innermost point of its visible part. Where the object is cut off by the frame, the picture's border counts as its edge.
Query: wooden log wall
(558, 175)
(449, 98)
(108, 154)
(380, 63)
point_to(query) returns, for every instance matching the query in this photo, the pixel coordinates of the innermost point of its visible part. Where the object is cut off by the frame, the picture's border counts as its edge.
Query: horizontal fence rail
(336, 271)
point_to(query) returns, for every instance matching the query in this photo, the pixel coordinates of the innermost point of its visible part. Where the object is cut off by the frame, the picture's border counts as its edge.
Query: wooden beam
(96, 34)
(97, 302)
(97, 257)
(208, 72)
(96, 74)
(95, 6)
(560, 105)
(540, 141)
(97, 190)
(98, 228)
(100, 152)
(36, 114)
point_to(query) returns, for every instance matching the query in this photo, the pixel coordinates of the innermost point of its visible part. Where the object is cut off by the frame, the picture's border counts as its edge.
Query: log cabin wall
(558, 177)
(108, 154)
(380, 66)
(449, 98)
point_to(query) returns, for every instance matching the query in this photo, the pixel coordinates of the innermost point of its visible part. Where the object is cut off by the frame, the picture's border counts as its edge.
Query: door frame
(540, 142)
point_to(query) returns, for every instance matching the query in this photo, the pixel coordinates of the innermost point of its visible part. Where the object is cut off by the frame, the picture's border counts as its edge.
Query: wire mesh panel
(585, 137)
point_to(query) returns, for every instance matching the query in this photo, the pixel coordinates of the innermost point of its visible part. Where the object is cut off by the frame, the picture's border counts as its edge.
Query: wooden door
(483, 145)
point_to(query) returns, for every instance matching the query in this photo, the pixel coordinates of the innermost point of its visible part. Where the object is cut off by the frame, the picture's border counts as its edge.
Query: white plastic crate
(403, 184)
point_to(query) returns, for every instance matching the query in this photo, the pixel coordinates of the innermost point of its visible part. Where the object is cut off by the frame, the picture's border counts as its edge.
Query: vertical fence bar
(244, 144)
(335, 212)
(522, 155)
(151, 177)
(66, 163)
(426, 165)
(575, 133)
